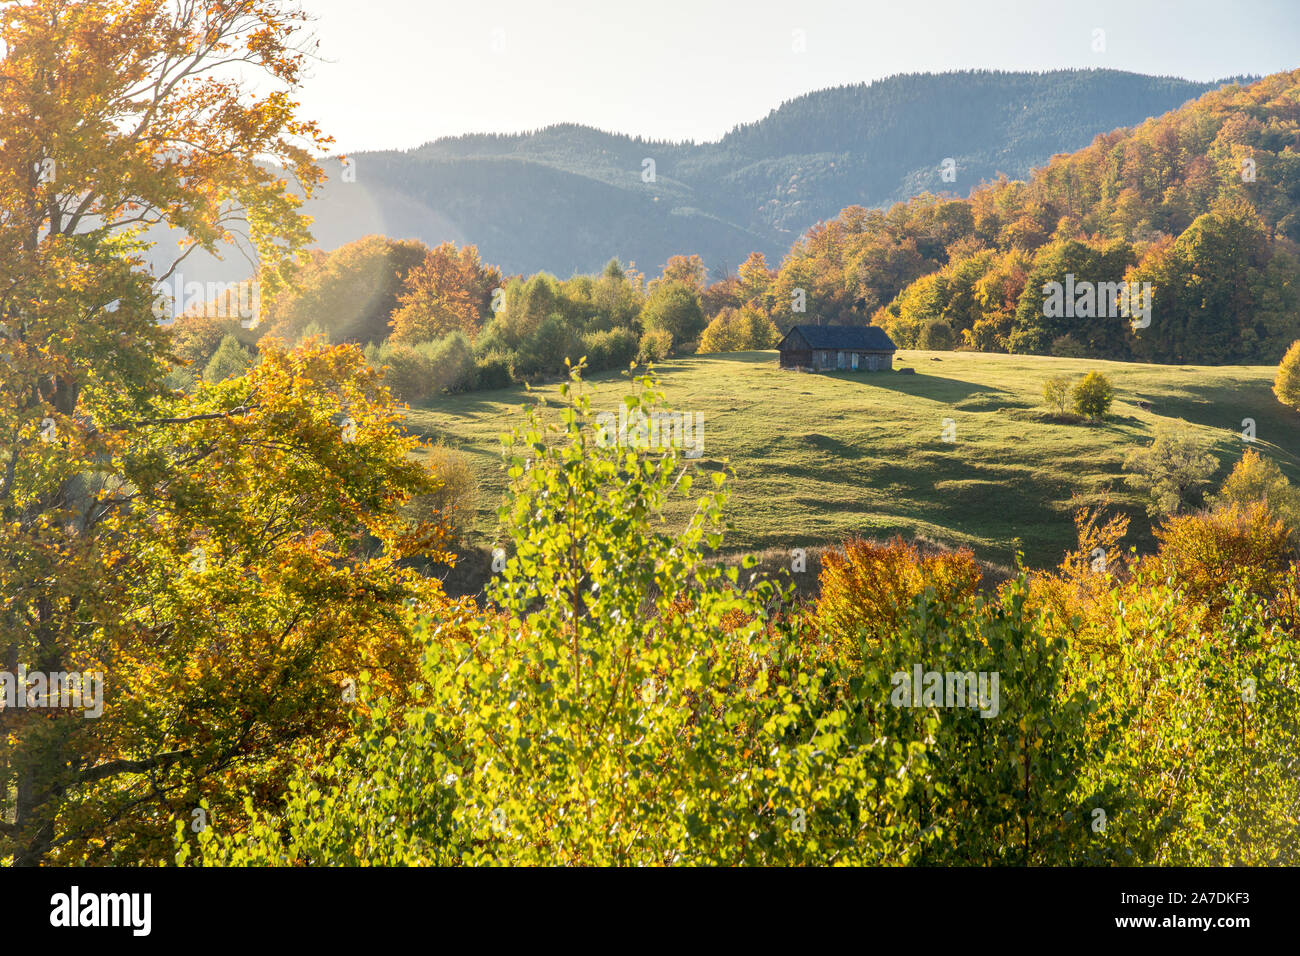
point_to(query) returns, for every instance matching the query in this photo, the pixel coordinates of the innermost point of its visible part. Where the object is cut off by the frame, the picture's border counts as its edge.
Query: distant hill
(567, 198)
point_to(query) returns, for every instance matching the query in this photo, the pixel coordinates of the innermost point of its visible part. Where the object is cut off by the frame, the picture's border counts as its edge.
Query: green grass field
(821, 457)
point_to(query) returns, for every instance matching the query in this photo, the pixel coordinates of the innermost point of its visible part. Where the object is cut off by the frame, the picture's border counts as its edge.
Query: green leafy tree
(1012, 782)
(935, 334)
(1203, 711)
(230, 358)
(1094, 319)
(674, 307)
(1214, 298)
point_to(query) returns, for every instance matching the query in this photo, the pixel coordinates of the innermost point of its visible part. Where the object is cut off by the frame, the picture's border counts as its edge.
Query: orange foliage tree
(1244, 545)
(221, 561)
(868, 588)
(449, 292)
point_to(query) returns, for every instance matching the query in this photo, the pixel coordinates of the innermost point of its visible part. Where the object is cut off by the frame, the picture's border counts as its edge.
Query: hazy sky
(401, 72)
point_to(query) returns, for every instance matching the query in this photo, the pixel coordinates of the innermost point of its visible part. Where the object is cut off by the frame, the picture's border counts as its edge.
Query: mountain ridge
(567, 197)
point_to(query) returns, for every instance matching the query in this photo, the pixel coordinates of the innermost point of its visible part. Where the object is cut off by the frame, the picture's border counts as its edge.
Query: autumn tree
(350, 293)
(223, 559)
(1286, 386)
(1256, 478)
(1092, 396)
(755, 283)
(1165, 203)
(688, 270)
(451, 291)
(738, 330)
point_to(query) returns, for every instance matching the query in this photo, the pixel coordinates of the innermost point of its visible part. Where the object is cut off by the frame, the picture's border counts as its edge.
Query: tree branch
(114, 767)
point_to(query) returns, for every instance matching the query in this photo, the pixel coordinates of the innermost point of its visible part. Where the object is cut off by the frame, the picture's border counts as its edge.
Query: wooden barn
(828, 348)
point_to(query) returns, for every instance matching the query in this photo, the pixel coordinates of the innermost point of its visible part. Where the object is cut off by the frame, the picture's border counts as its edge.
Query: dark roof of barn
(868, 338)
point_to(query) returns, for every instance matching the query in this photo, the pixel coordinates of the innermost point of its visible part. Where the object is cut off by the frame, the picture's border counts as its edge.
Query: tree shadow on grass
(939, 488)
(746, 358)
(1276, 425)
(949, 391)
(473, 404)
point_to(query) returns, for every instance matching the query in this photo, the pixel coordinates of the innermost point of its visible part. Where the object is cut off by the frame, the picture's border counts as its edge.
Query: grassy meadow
(819, 457)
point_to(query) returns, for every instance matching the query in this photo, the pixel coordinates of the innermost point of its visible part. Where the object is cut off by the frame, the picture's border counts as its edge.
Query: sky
(397, 73)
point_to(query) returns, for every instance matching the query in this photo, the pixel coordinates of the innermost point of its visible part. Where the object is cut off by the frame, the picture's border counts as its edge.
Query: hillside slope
(821, 457)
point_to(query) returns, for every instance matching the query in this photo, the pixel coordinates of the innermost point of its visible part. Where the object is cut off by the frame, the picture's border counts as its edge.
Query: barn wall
(828, 359)
(796, 358)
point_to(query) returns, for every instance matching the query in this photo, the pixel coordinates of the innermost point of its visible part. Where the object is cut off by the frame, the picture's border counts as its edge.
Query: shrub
(451, 363)
(935, 334)
(548, 347)
(418, 371)
(1056, 393)
(407, 370)
(1243, 545)
(1173, 470)
(1087, 573)
(656, 345)
(1067, 346)
(867, 587)
(453, 502)
(1093, 395)
(493, 370)
(615, 348)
